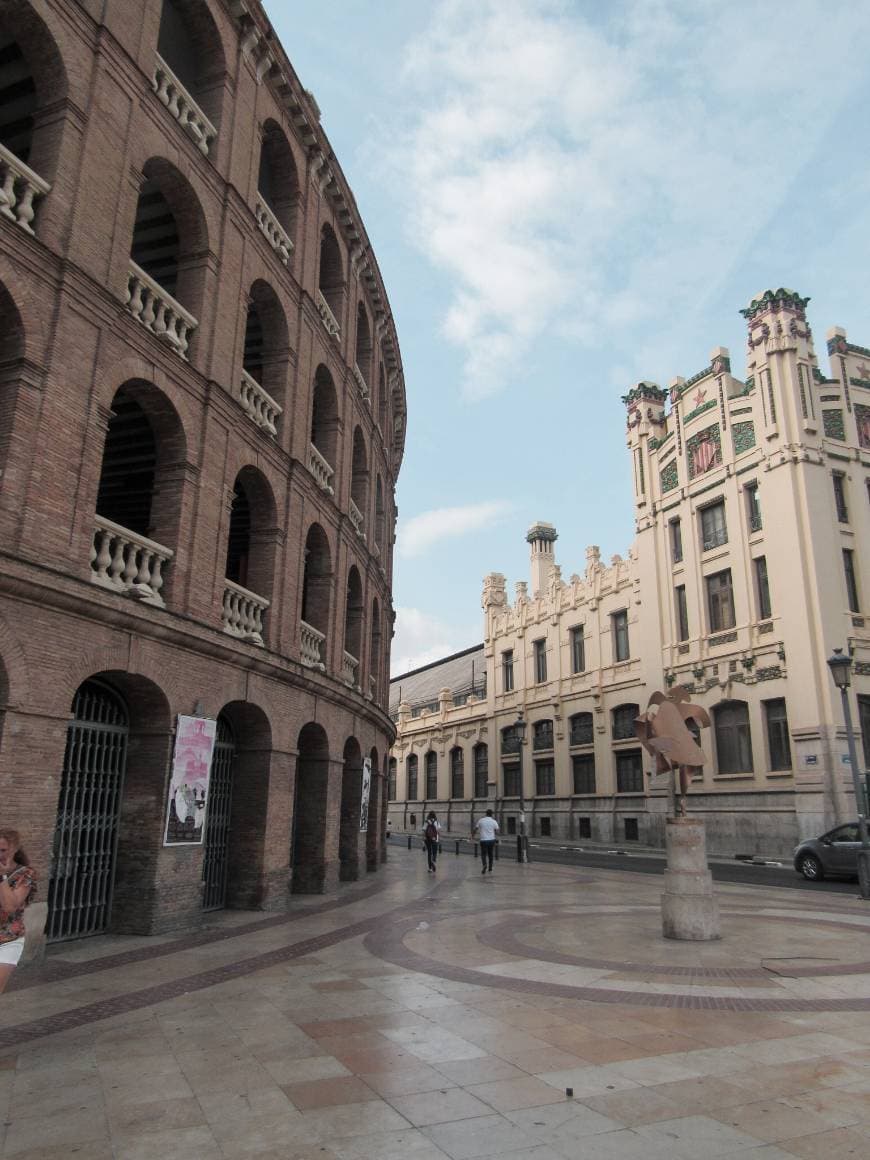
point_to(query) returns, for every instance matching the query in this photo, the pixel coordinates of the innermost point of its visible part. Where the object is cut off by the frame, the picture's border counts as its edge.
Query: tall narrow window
(511, 774)
(733, 740)
(457, 772)
(411, 770)
(864, 726)
(851, 581)
(778, 744)
(720, 601)
(620, 636)
(676, 541)
(391, 780)
(840, 497)
(578, 650)
(540, 648)
(714, 530)
(545, 777)
(624, 717)
(762, 588)
(581, 729)
(682, 612)
(542, 735)
(431, 775)
(481, 770)
(629, 771)
(507, 670)
(584, 772)
(753, 507)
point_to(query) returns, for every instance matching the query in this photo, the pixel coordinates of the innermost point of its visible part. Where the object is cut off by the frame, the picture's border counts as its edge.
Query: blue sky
(565, 198)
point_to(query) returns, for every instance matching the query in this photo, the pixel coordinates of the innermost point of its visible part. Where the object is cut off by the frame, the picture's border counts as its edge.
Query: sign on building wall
(366, 789)
(188, 785)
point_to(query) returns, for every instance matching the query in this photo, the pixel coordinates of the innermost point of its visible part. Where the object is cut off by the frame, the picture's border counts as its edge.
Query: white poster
(366, 789)
(188, 786)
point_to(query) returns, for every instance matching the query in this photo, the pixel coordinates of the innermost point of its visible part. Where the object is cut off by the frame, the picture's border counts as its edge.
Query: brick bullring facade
(202, 417)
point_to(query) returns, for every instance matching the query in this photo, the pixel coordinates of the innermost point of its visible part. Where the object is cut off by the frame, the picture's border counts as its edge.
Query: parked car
(834, 853)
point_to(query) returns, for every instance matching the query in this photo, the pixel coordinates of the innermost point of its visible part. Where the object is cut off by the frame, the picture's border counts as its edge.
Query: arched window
(457, 772)
(623, 722)
(189, 68)
(391, 780)
(363, 344)
(375, 654)
(481, 769)
(11, 353)
(264, 358)
(352, 629)
(359, 484)
(324, 430)
(411, 773)
(316, 585)
(542, 735)
(431, 760)
(250, 557)
(382, 405)
(380, 544)
(581, 729)
(733, 737)
(330, 283)
(277, 191)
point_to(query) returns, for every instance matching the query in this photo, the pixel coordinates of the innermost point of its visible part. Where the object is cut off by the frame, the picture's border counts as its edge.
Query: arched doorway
(82, 871)
(351, 800)
(373, 834)
(308, 853)
(218, 819)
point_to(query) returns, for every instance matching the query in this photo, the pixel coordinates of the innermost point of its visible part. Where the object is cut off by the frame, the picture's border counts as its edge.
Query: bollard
(496, 851)
(409, 841)
(457, 845)
(475, 849)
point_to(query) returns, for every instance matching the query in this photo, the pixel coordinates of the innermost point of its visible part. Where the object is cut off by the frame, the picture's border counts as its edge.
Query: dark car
(834, 853)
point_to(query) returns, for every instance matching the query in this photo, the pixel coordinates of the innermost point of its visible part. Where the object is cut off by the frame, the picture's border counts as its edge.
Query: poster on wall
(366, 789)
(188, 785)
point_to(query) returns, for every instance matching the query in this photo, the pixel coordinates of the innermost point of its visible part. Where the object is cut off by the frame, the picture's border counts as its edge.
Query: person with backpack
(432, 836)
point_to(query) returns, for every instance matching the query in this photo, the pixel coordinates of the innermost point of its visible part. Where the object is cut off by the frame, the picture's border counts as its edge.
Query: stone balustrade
(128, 563)
(158, 311)
(181, 105)
(356, 518)
(19, 188)
(311, 646)
(349, 669)
(243, 613)
(328, 319)
(320, 469)
(276, 235)
(258, 404)
(362, 385)
(373, 687)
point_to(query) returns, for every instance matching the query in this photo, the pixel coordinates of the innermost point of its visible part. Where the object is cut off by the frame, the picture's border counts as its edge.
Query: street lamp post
(522, 840)
(841, 670)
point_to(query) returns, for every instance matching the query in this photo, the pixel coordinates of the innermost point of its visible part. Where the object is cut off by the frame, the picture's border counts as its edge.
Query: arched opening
(11, 353)
(375, 654)
(316, 589)
(308, 852)
(353, 616)
(382, 405)
(264, 360)
(108, 834)
(412, 764)
(431, 763)
(351, 799)
(359, 484)
(189, 68)
(134, 518)
(4, 698)
(481, 770)
(330, 282)
(623, 719)
(277, 191)
(380, 523)
(250, 556)
(457, 772)
(363, 344)
(373, 814)
(324, 430)
(581, 729)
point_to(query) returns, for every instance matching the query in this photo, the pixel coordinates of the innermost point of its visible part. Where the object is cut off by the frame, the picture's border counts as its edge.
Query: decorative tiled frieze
(669, 476)
(708, 406)
(723, 638)
(743, 436)
(861, 669)
(833, 423)
(704, 450)
(862, 418)
(768, 674)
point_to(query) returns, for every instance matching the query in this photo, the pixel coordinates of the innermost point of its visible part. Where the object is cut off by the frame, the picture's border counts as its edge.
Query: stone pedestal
(689, 907)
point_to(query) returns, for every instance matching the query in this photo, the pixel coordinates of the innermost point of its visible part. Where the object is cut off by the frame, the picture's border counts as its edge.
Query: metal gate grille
(86, 835)
(217, 820)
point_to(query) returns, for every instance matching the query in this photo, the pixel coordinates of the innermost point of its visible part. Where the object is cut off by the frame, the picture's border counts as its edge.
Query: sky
(565, 198)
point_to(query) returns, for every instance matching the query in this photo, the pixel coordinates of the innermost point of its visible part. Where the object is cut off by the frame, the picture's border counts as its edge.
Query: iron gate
(217, 820)
(86, 835)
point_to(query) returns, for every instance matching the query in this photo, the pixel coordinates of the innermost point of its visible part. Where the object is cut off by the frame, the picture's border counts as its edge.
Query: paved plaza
(413, 1016)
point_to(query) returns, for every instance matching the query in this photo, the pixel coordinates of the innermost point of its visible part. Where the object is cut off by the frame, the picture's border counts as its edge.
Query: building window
(584, 827)
(581, 729)
(542, 735)
(431, 775)
(545, 828)
(676, 541)
(631, 830)
(753, 507)
(714, 531)
(584, 772)
(851, 582)
(629, 771)
(840, 497)
(481, 770)
(512, 824)
(510, 743)
(623, 722)
(412, 821)
(733, 739)
(511, 780)
(411, 770)
(778, 744)
(620, 636)
(391, 780)
(864, 726)
(762, 588)
(720, 601)
(507, 670)
(578, 650)
(545, 778)
(457, 772)
(540, 649)
(682, 612)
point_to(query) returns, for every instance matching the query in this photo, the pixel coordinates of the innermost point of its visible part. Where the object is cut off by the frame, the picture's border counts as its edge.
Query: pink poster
(188, 786)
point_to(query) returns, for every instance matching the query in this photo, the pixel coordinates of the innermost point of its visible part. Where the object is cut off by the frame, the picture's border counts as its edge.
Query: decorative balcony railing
(311, 646)
(128, 563)
(356, 518)
(19, 188)
(181, 105)
(349, 669)
(320, 469)
(158, 311)
(258, 404)
(373, 687)
(329, 320)
(362, 385)
(243, 612)
(276, 235)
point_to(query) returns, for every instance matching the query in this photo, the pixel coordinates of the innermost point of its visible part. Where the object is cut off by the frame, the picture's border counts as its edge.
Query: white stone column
(690, 910)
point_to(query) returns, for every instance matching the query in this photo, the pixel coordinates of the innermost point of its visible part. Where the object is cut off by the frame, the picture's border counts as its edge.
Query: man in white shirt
(487, 830)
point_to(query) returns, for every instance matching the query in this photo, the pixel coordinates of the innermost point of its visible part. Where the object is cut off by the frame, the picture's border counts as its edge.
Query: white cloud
(578, 170)
(419, 533)
(421, 639)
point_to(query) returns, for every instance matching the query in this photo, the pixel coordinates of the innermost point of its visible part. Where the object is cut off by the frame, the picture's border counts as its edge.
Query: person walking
(432, 837)
(17, 888)
(486, 829)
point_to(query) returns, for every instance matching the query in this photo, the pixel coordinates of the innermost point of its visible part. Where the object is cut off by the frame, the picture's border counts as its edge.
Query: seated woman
(17, 888)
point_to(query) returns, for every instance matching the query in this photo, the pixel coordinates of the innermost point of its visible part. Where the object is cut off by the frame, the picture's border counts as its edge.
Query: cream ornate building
(750, 563)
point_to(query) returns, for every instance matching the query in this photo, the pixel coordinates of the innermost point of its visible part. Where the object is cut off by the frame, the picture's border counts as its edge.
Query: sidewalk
(532, 1014)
